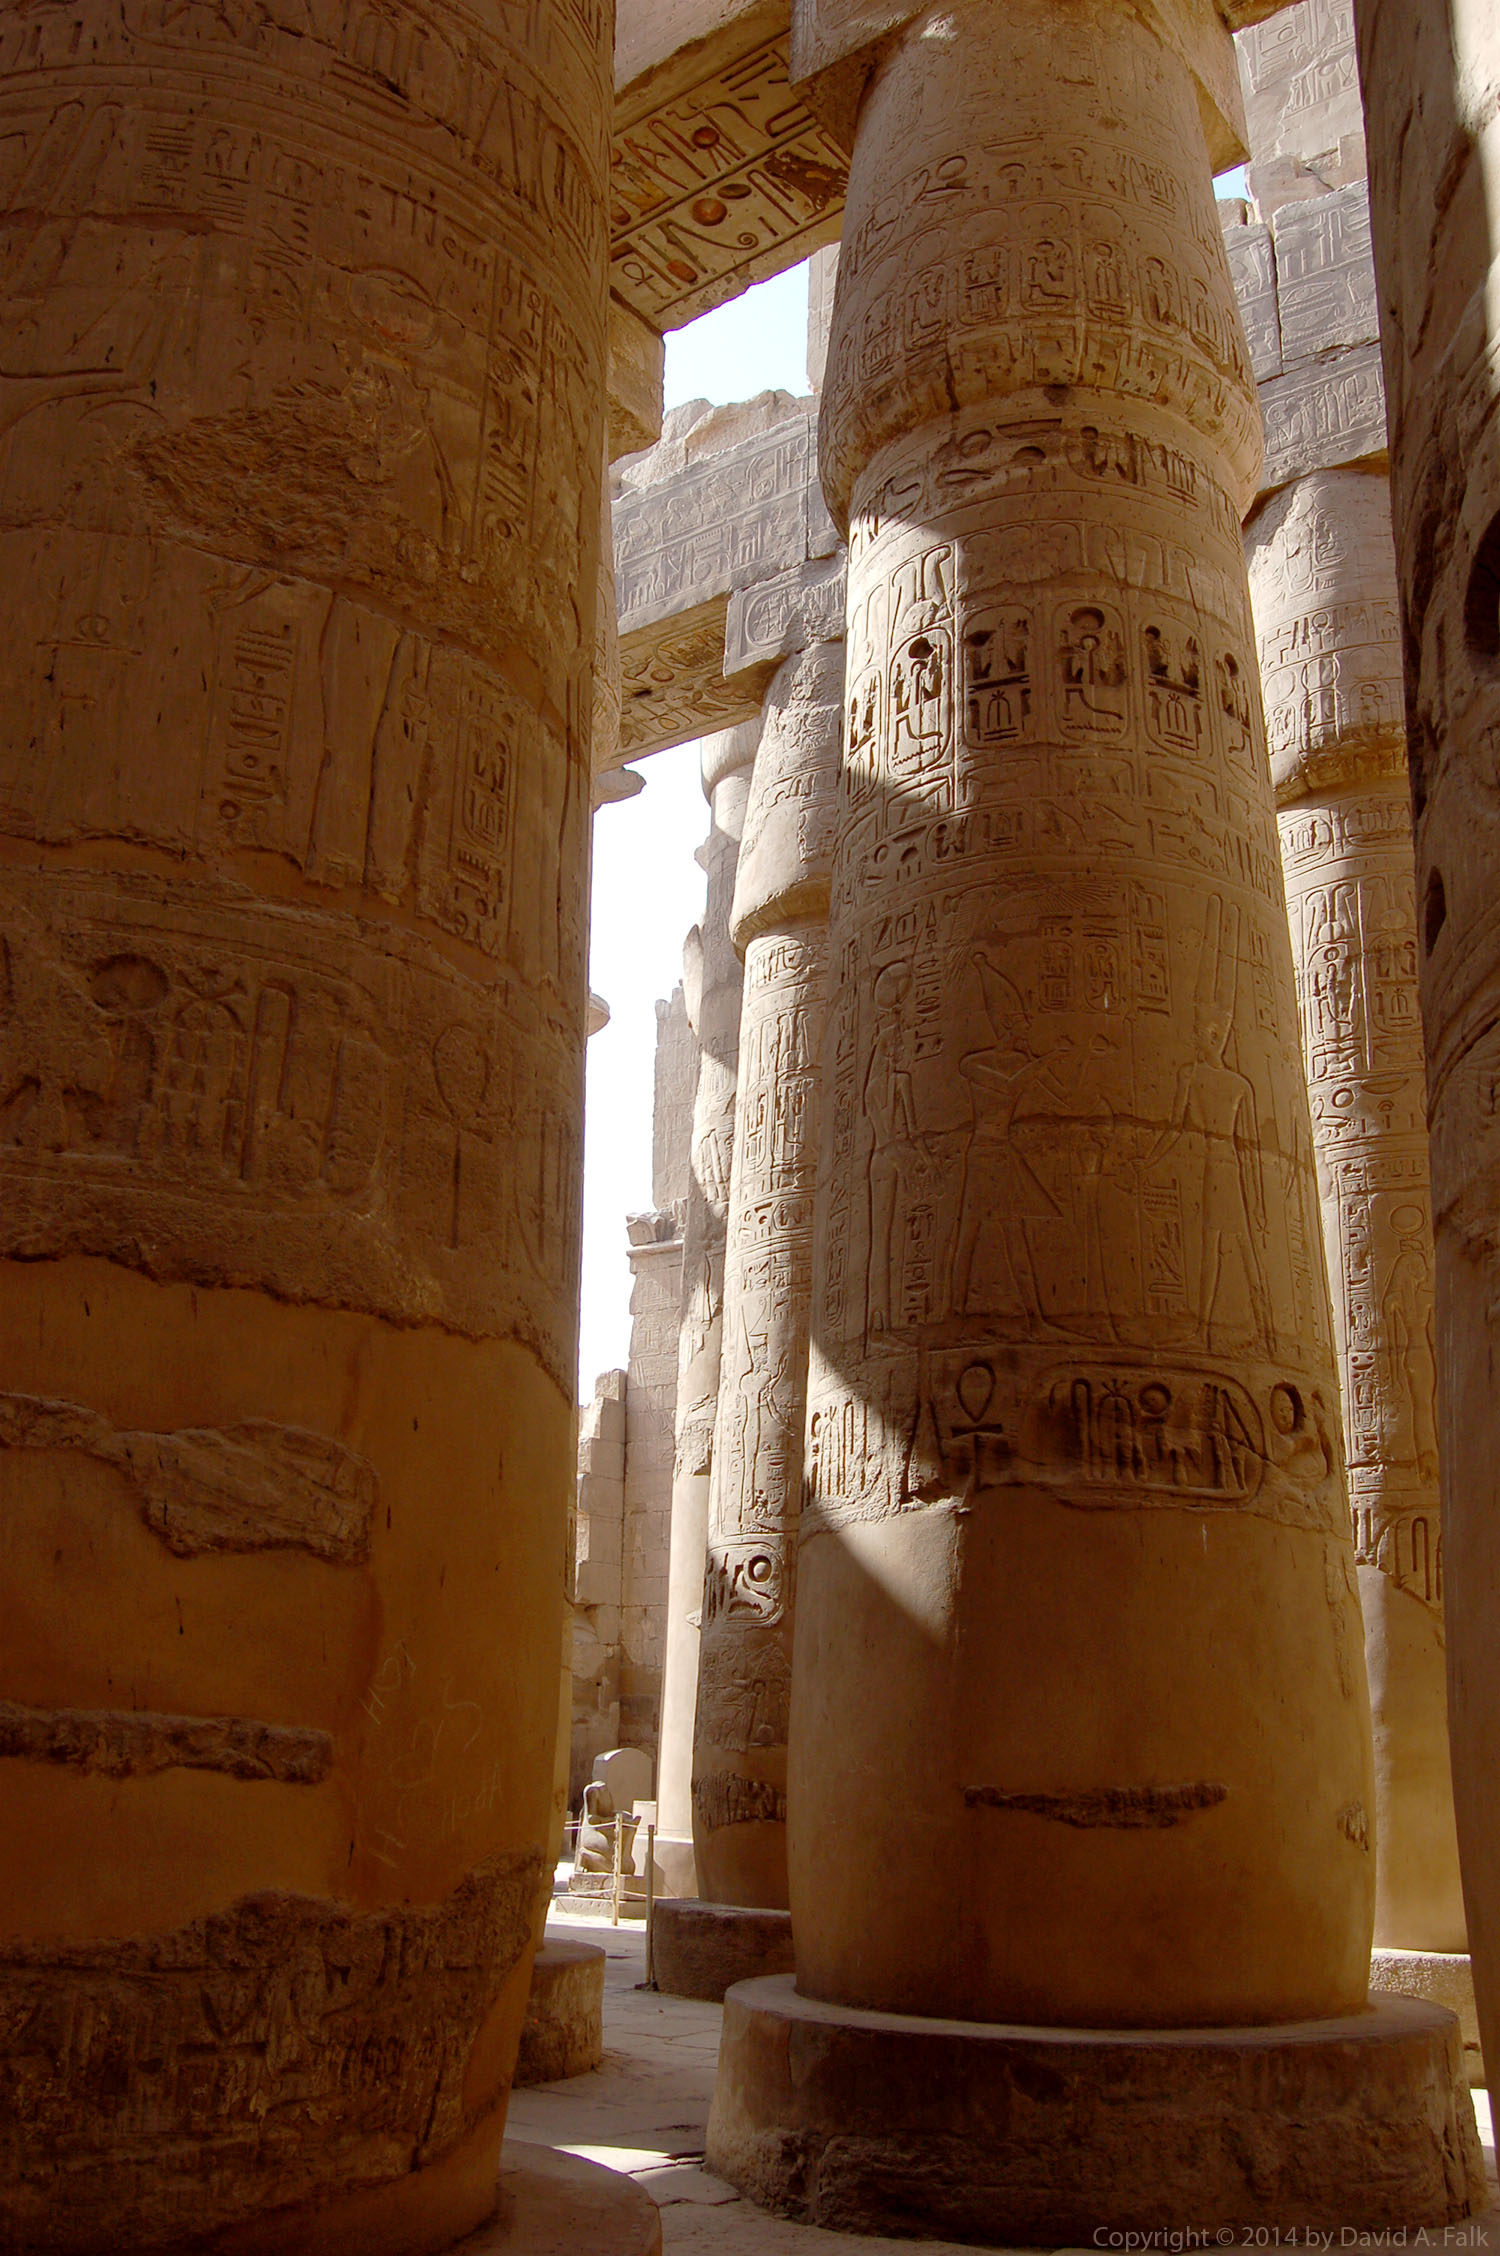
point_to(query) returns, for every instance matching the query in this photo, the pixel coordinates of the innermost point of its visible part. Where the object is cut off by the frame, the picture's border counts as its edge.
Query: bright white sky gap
(647, 887)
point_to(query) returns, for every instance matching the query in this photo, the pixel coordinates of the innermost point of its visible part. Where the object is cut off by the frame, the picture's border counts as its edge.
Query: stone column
(713, 978)
(779, 924)
(1323, 586)
(1080, 1733)
(1071, 1268)
(301, 420)
(1431, 80)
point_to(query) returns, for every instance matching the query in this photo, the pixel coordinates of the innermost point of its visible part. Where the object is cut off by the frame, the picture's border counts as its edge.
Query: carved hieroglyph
(745, 1654)
(720, 174)
(1432, 92)
(718, 531)
(713, 978)
(1323, 584)
(1077, 1538)
(301, 426)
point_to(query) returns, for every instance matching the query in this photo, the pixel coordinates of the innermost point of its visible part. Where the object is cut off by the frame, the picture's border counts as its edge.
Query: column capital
(837, 44)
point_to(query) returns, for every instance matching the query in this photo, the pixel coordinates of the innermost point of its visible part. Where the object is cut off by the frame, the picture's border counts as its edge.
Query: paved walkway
(645, 2111)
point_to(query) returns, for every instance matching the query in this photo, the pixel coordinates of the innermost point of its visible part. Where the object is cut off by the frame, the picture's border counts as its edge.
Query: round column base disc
(978, 2131)
(556, 2205)
(699, 1950)
(563, 2033)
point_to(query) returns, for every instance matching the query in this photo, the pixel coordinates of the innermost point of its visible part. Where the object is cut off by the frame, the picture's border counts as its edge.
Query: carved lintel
(720, 175)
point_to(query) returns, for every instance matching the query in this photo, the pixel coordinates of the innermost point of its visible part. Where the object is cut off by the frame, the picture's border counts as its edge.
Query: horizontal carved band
(125, 1743)
(1128, 1808)
(249, 1487)
(280, 2051)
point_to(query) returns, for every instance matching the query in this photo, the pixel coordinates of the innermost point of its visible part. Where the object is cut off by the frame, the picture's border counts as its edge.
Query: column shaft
(1323, 584)
(780, 922)
(1079, 1727)
(300, 431)
(713, 977)
(1431, 83)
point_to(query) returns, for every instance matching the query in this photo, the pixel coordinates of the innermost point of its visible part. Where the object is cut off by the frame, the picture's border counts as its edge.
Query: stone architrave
(724, 514)
(1323, 587)
(1300, 82)
(1072, 1368)
(720, 174)
(713, 979)
(1431, 81)
(301, 424)
(779, 924)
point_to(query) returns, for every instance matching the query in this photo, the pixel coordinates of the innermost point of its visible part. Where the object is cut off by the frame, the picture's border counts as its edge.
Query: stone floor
(645, 2111)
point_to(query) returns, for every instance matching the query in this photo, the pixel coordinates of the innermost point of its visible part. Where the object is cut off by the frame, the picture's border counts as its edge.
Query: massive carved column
(300, 431)
(1071, 1272)
(1431, 78)
(713, 977)
(1323, 584)
(779, 923)
(1080, 1734)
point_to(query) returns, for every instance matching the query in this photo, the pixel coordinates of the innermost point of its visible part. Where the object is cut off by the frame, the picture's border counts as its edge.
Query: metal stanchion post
(650, 1904)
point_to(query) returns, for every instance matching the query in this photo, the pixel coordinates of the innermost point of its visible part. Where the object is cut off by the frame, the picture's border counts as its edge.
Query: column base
(554, 2205)
(976, 2131)
(699, 1950)
(563, 2033)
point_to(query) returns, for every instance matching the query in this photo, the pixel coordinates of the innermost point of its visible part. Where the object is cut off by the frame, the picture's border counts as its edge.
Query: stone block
(1028, 2137)
(822, 277)
(563, 2032)
(633, 379)
(554, 2204)
(598, 1584)
(835, 43)
(674, 687)
(1443, 1978)
(1252, 266)
(1322, 413)
(1298, 74)
(781, 615)
(1325, 274)
(722, 523)
(700, 1950)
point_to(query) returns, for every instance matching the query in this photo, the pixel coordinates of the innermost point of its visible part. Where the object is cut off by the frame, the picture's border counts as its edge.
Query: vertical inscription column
(1323, 584)
(1431, 83)
(779, 923)
(714, 979)
(1076, 1593)
(301, 420)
